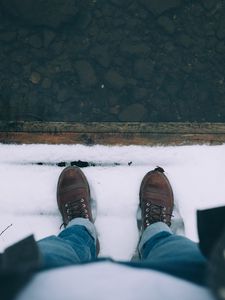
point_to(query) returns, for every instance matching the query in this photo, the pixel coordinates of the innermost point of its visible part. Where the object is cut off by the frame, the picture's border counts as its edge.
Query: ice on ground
(28, 190)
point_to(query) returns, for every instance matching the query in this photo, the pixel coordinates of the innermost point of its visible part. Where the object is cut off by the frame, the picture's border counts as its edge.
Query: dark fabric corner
(211, 224)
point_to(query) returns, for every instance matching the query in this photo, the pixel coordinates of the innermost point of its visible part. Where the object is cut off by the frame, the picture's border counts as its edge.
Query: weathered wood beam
(108, 133)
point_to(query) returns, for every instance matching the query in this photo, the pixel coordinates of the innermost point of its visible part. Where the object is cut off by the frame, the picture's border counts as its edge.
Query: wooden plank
(112, 127)
(112, 133)
(111, 138)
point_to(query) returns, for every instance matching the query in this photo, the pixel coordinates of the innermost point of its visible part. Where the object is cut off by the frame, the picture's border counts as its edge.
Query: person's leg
(159, 248)
(75, 244)
(164, 251)
(78, 241)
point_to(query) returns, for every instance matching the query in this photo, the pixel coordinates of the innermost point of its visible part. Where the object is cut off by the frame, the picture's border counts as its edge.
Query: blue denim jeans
(159, 250)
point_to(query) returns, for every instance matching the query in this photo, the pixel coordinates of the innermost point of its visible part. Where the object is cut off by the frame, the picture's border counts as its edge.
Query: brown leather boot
(156, 198)
(73, 195)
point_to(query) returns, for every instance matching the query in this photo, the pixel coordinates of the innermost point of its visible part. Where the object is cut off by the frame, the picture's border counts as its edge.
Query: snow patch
(28, 190)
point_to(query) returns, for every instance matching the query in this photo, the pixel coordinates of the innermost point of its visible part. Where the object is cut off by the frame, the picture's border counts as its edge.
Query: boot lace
(156, 213)
(75, 209)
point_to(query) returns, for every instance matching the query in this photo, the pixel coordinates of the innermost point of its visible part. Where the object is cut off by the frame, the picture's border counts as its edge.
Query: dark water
(144, 60)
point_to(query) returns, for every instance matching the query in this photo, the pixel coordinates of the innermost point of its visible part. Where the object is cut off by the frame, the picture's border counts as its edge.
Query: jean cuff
(152, 230)
(87, 224)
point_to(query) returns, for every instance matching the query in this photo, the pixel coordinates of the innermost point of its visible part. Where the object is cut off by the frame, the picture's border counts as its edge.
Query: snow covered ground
(28, 190)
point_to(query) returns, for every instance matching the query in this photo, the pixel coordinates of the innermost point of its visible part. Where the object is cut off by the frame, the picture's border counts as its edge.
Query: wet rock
(220, 33)
(86, 73)
(158, 7)
(121, 3)
(32, 103)
(8, 36)
(57, 48)
(65, 65)
(48, 37)
(46, 83)
(63, 95)
(114, 79)
(211, 42)
(113, 100)
(101, 55)
(135, 49)
(83, 20)
(169, 46)
(35, 77)
(42, 12)
(22, 32)
(133, 113)
(16, 68)
(143, 68)
(132, 81)
(140, 93)
(66, 111)
(220, 47)
(197, 10)
(55, 87)
(39, 53)
(172, 86)
(209, 4)
(167, 24)
(185, 40)
(115, 109)
(109, 10)
(113, 54)
(35, 41)
(15, 85)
